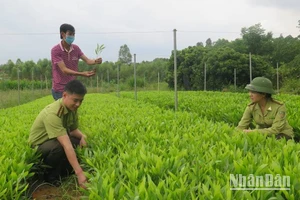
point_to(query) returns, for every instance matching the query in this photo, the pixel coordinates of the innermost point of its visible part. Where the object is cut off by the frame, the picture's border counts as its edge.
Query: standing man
(55, 133)
(65, 57)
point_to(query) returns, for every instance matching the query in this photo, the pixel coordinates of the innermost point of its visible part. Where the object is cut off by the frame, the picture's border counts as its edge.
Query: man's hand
(88, 73)
(247, 131)
(82, 142)
(81, 179)
(98, 61)
(64, 140)
(78, 134)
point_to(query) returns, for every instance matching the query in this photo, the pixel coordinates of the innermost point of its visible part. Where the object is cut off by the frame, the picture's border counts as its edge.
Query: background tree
(149, 70)
(221, 58)
(200, 44)
(17, 68)
(188, 66)
(222, 62)
(285, 49)
(221, 43)
(125, 55)
(27, 69)
(239, 46)
(8, 68)
(256, 40)
(45, 69)
(208, 43)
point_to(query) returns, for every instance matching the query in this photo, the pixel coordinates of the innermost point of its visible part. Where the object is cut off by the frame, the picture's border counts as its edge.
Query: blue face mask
(70, 39)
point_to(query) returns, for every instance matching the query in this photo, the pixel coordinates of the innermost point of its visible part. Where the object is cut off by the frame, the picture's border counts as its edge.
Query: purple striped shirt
(71, 59)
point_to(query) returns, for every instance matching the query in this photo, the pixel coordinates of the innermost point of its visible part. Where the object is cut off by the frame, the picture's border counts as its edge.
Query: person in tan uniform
(55, 134)
(269, 115)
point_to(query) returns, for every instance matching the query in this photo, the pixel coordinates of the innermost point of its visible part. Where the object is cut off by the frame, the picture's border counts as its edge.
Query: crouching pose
(55, 134)
(269, 115)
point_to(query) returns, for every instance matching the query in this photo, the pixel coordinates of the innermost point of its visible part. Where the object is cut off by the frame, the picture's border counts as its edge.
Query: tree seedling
(98, 50)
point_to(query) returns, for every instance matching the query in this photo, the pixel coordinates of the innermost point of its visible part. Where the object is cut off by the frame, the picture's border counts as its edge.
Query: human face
(68, 37)
(72, 101)
(68, 33)
(256, 97)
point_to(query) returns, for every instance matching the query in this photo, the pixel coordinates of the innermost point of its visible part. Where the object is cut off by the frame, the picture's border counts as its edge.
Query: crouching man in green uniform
(55, 133)
(269, 115)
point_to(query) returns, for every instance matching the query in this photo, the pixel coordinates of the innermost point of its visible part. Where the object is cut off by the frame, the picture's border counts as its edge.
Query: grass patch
(12, 98)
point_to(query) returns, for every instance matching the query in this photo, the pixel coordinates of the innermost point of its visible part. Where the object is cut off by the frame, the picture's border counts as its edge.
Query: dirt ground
(54, 193)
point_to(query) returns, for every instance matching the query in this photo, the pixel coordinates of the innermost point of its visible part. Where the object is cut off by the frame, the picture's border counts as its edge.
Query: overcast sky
(30, 28)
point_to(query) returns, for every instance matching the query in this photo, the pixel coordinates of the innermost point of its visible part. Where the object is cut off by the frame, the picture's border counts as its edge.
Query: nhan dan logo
(254, 182)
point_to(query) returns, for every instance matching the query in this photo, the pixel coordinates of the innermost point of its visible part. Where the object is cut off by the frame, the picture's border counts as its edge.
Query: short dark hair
(75, 87)
(66, 27)
(268, 96)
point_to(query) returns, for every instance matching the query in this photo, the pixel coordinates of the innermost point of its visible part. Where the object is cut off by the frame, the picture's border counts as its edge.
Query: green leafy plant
(154, 154)
(99, 49)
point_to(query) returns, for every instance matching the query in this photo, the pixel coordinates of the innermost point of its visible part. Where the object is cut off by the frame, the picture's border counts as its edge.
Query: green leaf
(111, 193)
(260, 169)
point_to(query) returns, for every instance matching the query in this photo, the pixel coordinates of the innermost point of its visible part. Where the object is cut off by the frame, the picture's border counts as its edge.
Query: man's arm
(68, 71)
(91, 61)
(246, 119)
(57, 59)
(78, 134)
(71, 156)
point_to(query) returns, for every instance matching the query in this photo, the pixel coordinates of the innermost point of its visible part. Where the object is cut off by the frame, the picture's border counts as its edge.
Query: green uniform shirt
(53, 121)
(273, 121)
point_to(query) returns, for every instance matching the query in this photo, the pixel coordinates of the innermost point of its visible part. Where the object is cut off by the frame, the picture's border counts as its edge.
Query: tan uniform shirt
(273, 121)
(53, 121)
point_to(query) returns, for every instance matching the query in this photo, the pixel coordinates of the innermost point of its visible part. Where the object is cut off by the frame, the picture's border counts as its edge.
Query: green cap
(261, 84)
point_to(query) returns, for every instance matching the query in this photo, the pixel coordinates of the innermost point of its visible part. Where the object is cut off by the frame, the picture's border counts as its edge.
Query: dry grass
(12, 98)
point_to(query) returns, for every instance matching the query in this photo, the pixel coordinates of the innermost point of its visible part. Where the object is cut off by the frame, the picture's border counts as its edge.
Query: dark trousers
(281, 135)
(56, 95)
(54, 157)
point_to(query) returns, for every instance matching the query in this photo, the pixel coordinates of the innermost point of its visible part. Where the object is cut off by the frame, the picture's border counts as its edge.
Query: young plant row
(140, 151)
(16, 156)
(217, 106)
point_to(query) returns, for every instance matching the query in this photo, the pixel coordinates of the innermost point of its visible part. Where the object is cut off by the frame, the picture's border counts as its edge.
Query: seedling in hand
(98, 51)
